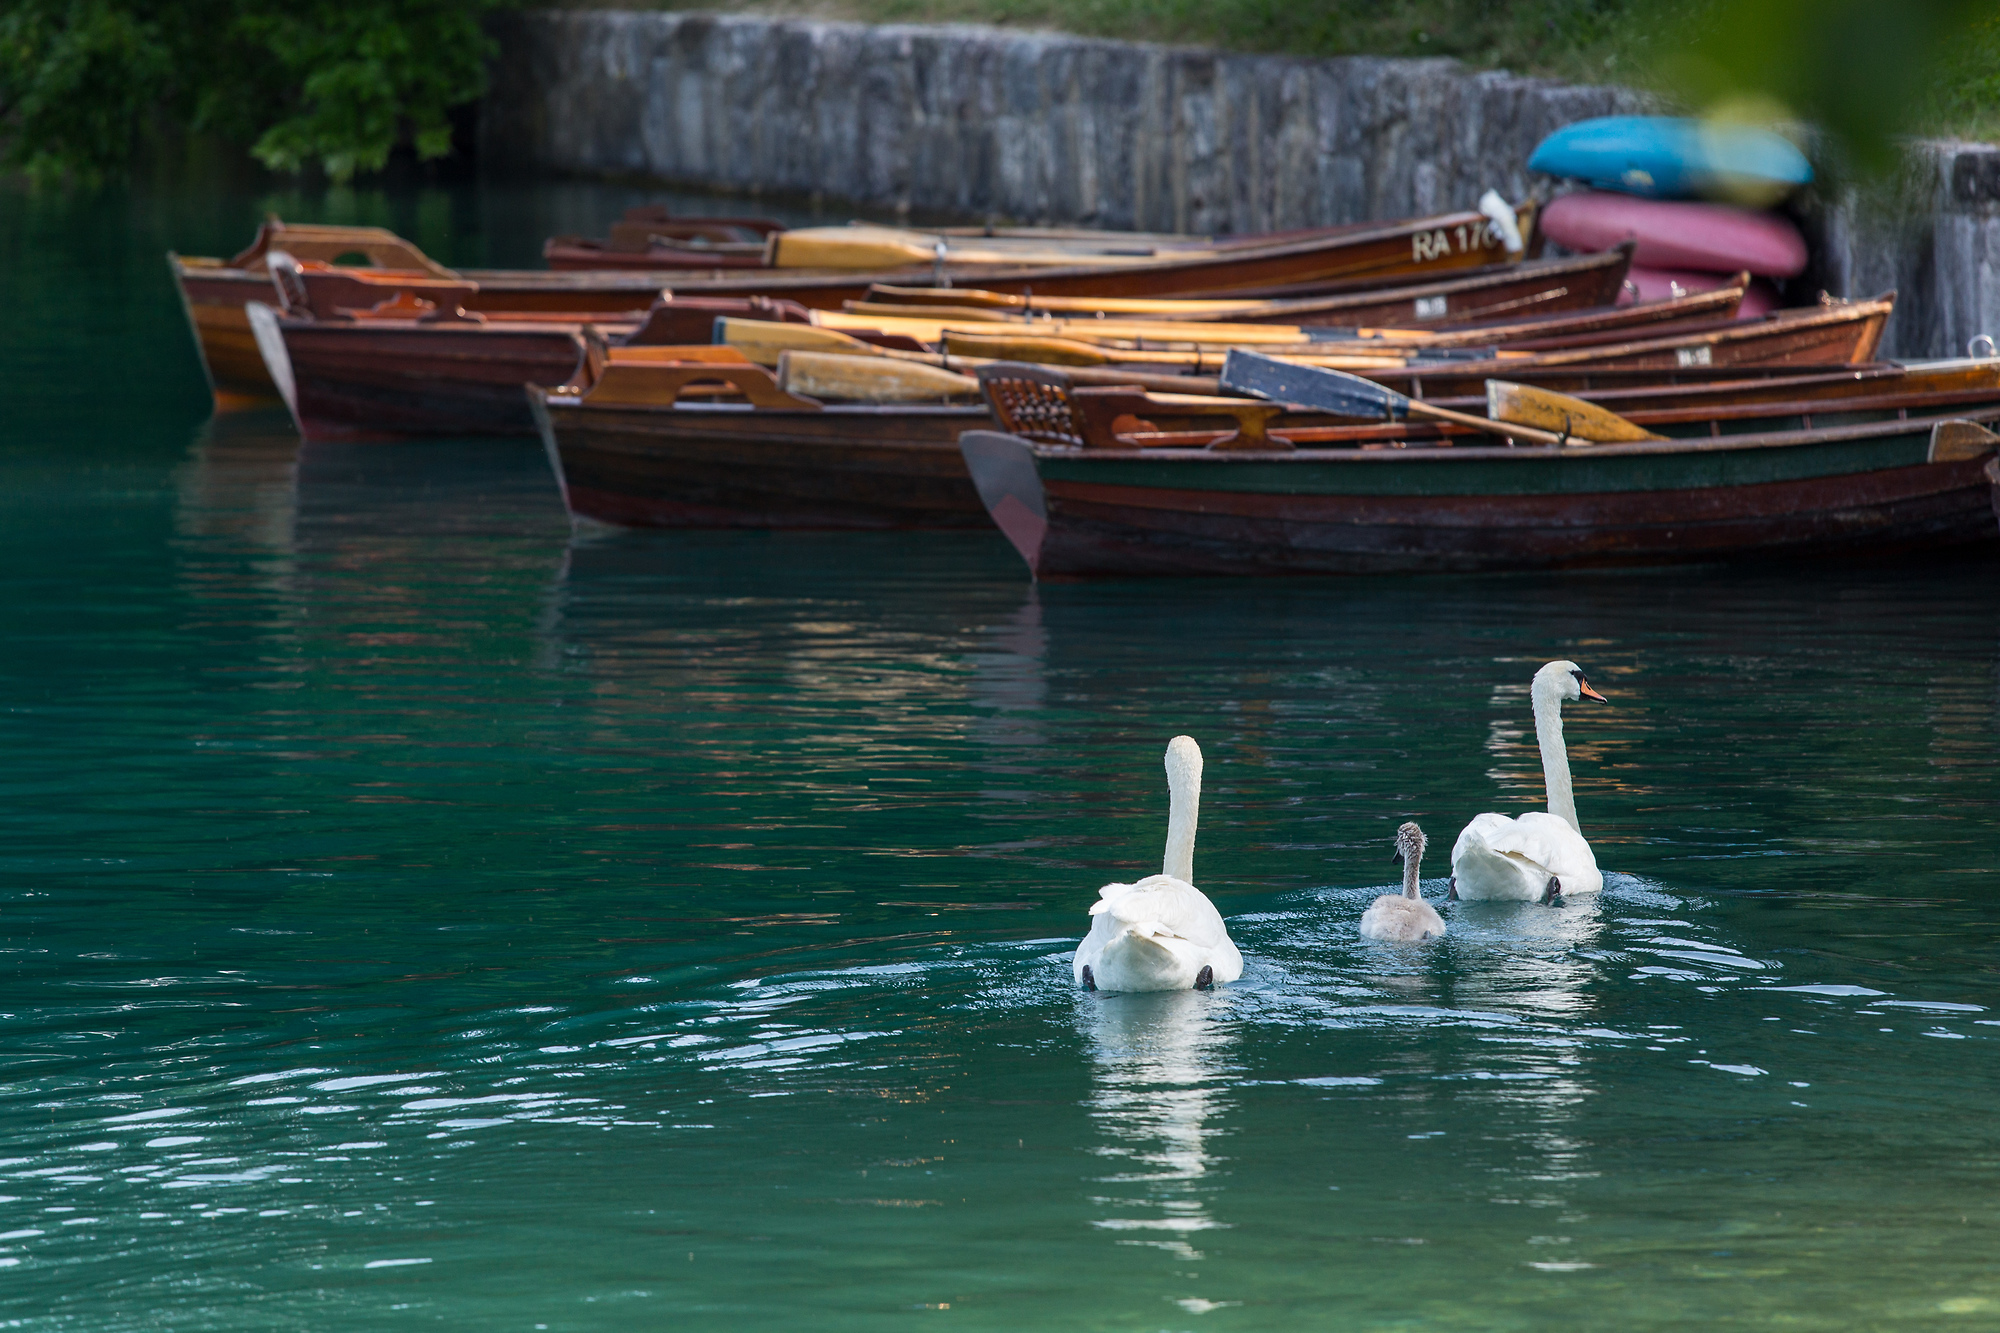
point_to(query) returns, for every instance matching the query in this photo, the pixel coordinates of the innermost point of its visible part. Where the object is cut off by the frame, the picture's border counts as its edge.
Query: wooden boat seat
(683, 320)
(407, 305)
(640, 382)
(1030, 401)
(380, 247)
(1109, 417)
(330, 291)
(1048, 407)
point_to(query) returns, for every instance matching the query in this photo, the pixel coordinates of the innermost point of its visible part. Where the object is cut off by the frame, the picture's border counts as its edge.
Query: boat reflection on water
(238, 485)
(251, 487)
(1008, 697)
(1160, 1063)
(382, 556)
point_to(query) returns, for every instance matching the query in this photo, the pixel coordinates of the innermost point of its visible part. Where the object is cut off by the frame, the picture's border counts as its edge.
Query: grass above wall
(1592, 40)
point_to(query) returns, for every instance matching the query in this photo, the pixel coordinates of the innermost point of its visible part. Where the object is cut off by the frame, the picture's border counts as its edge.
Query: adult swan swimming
(1537, 856)
(1161, 933)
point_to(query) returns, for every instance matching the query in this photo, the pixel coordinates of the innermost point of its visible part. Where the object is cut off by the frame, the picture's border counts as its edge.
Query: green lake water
(415, 916)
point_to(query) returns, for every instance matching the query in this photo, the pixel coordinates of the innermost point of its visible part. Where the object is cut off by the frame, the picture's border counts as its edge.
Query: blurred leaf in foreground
(1863, 72)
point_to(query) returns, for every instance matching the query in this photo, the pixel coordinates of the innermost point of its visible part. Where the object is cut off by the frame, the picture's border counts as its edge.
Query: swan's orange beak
(1589, 693)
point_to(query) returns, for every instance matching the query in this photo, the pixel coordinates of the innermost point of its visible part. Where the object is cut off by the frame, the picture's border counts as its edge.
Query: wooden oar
(1583, 422)
(764, 341)
(1328, 390)
(1143, 335)
(869, 379)
(1078, 305)
(1053, 351)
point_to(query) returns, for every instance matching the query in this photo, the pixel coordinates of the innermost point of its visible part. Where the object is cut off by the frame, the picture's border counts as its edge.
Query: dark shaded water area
(417, 915)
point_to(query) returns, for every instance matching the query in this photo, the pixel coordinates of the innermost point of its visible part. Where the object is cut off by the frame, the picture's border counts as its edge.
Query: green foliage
(1966, 100)
(369, 75)
(76, 79)
(314, 82)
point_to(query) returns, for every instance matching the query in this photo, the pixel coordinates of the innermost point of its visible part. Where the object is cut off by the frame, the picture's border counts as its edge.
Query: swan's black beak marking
(1589, 693)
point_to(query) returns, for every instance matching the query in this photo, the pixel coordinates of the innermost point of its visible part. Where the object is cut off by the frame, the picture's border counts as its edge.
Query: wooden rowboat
(655, 442)
(644, 452)
(389, 378)
(1834, 334)
(1480, 296)
(1368, 501)
(214, 291)
(1699, 313)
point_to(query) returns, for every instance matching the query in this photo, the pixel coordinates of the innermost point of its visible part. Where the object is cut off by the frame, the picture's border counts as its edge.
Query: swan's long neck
(1185, 797)
(1555, 757)
(1411, 865)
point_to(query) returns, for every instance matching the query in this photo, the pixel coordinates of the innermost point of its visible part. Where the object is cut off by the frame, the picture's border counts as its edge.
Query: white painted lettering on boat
(1427, 247)
(1430, 307)
(1693, 356)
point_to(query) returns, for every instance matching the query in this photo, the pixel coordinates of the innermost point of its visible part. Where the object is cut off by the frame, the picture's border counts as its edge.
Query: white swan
(1537, 856)
(1161, 933)
(1404, 917)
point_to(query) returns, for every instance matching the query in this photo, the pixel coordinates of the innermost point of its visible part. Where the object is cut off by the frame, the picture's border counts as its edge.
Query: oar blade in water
(1526, 405)
(1316, 387)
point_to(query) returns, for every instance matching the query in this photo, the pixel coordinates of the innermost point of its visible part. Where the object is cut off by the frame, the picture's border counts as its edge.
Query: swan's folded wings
(1166, 905)
(1544, 839)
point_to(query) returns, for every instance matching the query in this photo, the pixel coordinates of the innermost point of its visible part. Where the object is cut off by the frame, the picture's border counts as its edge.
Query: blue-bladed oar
(1348, 395)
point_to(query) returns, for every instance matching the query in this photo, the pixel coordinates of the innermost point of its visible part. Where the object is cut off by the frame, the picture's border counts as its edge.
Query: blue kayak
(1668, 157)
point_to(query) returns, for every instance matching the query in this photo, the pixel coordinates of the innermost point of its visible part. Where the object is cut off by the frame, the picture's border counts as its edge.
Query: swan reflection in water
(1160, 1062)
(1528, 959)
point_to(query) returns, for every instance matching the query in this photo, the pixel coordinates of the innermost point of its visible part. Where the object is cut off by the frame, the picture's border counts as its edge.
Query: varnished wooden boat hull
(1844, 335)
(729, 467)
(354, 381)
(1864, 489)
(214, 294)
(1476, 296)
(214, 297)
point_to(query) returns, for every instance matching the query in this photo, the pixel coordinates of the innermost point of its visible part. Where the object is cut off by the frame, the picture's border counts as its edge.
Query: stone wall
(1032, 127)
(972, 122)
(1934, 238)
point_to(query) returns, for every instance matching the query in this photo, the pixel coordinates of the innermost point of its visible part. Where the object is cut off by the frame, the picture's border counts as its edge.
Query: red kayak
(1710, 238)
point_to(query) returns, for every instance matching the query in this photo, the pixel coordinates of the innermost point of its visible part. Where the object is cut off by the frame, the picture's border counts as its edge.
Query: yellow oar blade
(870, 379)
(1559, 413)
(763, 341)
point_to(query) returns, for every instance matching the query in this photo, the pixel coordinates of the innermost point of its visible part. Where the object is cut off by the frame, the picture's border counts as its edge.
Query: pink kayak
(1711, 238)
(1663, 284)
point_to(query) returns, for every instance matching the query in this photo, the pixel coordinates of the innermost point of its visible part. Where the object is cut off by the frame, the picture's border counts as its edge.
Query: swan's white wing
(1540, 841)
(1552, 842)
(1156, 935)
(1169, 906)
(1108, 895)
